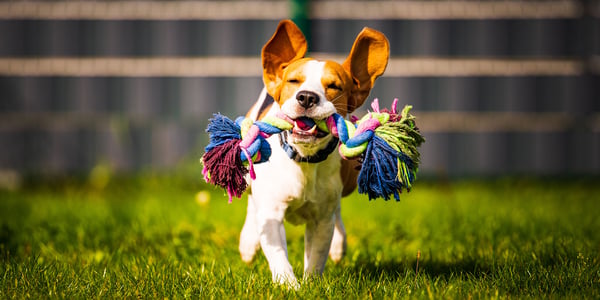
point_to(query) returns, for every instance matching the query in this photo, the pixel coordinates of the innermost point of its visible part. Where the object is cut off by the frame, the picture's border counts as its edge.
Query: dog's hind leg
(249, 238)
(338, 242)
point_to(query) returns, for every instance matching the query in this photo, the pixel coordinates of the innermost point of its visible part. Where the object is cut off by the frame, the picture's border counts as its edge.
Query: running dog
(305, 177)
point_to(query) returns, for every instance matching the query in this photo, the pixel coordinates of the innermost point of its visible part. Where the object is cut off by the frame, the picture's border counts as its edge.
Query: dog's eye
(293, 81)
(334, 86)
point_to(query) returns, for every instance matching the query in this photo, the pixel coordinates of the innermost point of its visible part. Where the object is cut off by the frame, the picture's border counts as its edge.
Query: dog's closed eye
(334, 86)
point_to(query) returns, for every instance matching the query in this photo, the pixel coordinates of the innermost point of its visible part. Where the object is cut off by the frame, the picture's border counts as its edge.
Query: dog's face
(309, 90)
(314, 89)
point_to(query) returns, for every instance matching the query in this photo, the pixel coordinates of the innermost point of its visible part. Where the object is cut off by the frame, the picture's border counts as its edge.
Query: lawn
(170, 236)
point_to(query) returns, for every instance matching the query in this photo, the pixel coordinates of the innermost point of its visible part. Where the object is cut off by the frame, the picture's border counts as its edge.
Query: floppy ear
(285, 46)
(367, 61)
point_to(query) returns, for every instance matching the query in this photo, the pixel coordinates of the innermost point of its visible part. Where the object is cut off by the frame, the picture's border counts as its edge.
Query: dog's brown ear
(367, 61)
(285, 46)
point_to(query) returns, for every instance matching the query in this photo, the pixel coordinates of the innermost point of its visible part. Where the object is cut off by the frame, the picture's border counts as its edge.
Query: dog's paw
(286, 279)
(249, 245)
(338, 247)
(248, 251)
(247, 257)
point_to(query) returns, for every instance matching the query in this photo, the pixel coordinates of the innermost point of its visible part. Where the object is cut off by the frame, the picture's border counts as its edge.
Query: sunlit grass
(159, 236)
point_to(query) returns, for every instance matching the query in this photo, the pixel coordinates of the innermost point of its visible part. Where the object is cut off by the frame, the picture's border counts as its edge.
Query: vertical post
(299, 11)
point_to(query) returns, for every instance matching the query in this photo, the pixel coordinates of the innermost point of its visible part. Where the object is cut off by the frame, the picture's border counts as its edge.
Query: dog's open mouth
(307, 127)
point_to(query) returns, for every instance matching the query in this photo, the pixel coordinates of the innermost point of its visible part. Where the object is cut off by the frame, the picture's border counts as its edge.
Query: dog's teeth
(296, 128)
(313, 130)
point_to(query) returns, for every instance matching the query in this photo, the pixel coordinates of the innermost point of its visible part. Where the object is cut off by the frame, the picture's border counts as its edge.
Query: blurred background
(499, 87)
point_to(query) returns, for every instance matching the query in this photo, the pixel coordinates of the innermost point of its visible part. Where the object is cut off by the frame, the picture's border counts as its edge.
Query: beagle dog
(305, 177)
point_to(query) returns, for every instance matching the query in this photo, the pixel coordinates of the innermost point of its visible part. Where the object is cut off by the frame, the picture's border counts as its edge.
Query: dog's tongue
(305, 123)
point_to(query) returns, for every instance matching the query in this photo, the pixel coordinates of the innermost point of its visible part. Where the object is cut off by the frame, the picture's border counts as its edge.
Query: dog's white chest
(302, 190)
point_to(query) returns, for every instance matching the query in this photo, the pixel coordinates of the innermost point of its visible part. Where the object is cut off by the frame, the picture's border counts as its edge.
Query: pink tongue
(305, 123)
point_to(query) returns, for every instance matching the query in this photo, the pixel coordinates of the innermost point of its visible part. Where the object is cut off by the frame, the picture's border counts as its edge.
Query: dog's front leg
(273, 243)
(317, 241)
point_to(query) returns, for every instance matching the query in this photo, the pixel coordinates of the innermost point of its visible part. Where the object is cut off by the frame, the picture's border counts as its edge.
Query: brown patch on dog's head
(346, 85)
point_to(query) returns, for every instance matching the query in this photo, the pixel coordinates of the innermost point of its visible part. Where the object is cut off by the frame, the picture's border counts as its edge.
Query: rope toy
(385, 141)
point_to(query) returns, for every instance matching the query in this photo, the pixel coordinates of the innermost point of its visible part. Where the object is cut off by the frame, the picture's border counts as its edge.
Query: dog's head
(309, 90)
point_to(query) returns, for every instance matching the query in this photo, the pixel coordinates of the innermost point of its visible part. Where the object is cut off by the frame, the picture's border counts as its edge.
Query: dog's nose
(307, 99)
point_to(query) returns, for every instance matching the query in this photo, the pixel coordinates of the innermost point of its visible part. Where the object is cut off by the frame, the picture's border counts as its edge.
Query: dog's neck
(320, 156)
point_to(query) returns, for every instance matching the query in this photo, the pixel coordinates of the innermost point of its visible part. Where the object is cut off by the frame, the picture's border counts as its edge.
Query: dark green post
(299, 11)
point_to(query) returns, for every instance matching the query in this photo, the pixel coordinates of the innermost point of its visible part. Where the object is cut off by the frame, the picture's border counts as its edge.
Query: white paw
(286, 279)
(247, 256)
(248, 248)
(338, 248)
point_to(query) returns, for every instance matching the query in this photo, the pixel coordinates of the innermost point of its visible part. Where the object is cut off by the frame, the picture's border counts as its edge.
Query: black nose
(307, 99)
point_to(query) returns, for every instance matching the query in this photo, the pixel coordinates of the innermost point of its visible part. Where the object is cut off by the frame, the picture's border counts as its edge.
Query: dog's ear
(367, 61)
(285, 46)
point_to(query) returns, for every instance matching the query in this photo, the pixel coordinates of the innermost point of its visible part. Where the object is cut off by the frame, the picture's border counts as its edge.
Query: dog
(305, 178)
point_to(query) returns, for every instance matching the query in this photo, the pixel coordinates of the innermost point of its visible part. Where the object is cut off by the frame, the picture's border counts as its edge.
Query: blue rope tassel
(221, 129)
(378, 174)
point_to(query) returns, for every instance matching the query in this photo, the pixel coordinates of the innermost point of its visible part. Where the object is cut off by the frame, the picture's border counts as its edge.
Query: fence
(499, 87)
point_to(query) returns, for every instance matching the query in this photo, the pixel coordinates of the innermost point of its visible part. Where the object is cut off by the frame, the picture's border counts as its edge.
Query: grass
(161, 236)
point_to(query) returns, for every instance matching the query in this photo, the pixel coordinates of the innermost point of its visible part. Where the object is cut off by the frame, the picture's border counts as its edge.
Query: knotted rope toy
(385, 141)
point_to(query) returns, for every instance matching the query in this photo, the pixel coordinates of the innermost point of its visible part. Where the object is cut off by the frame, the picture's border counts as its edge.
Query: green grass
(148, 236)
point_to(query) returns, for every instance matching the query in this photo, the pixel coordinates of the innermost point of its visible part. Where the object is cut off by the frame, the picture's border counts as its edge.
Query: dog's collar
(320, 156)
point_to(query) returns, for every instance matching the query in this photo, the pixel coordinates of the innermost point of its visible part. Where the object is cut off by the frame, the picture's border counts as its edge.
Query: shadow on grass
(433, 269)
